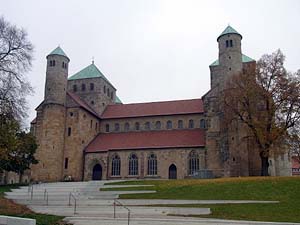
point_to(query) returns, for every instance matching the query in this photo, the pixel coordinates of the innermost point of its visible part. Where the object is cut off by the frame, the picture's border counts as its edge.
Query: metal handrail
(46, 196)
(75, 201)
(120, 204)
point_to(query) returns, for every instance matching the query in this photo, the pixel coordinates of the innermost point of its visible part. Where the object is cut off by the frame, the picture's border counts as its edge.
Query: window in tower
(69, 131)
(230, 43)
(91, 125)
(63, 64)
(112, 95)
(91, 86)
(83, 87)
(227, 43)
(108, 93)
(104, 89)
(92, 102)
(66, 163)
(53, 62)
(50, 63)
(74, 88)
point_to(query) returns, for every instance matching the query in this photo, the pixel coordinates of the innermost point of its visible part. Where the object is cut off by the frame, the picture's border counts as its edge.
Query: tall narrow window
(152, 165)
(169, 124)
(104, 89)
(115, 166)
(227, 43)
(147, 126)
(63, 64)
(91, 86)
(107, 128)
(83, 87)
(66, 163)
(180, 124)
(69, 131)
(193, 162)
(137, 126)
(108, 93)
(126, 127)
(74, 88)
(96, 127)
(157, 125)
(133, 165)
(112, 95)
(230, 43)
(117, 127)
(191, 123)
(202, 124)
(91, 125)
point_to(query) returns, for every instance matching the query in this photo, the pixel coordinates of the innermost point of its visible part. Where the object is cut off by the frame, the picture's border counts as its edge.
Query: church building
(84, 132)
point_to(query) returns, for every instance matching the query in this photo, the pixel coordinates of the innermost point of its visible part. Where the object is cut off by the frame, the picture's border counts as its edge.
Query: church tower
(50, 120)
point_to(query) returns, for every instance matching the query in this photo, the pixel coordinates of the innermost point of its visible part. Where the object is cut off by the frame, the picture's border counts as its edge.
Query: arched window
(169, 124)
(202, 124)
(83, 87)
(53, 62)
(74, 88)
(126, 127)
(91, 86)
(108, 93)
(104, 89)
(227, 43)
(133, 168)
(115, 165)
(180, 124)
(147, 126)
(112, 95)
(117, 127)
(193, 162)
(63, 64)
(50, 63)
(191, 123)
(152, 164)
(137, 126)
(230, 43)
(157, 125)
(107, 127)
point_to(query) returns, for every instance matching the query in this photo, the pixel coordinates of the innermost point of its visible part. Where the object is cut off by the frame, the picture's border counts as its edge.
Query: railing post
(75, 207)
(128, 217)
(114, 208)
(70, 199)
(31, 194)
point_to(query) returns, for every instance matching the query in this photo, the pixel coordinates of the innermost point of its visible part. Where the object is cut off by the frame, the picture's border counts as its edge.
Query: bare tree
(267, 101)
(15, 60)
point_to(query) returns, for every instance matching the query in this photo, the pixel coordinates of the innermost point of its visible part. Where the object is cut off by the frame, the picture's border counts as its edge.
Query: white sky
(151, 50)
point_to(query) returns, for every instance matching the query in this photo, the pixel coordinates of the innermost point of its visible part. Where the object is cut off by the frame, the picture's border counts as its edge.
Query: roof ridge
(138, 103)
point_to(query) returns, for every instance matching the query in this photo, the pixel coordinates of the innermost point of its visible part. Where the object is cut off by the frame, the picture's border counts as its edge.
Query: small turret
(56, 77)
(230, 53)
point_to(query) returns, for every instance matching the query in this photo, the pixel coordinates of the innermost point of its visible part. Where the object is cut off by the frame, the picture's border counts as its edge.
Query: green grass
(283, 189)
(10, 208)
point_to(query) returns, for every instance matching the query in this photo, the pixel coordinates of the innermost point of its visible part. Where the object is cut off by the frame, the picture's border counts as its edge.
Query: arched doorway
(172, 172)
(97, 172)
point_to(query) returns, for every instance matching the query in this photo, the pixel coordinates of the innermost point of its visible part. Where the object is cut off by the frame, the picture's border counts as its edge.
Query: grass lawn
(9, 208)
(283, 189)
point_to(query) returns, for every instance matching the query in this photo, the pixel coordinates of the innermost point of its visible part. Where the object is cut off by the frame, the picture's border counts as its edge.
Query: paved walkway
(96, 207)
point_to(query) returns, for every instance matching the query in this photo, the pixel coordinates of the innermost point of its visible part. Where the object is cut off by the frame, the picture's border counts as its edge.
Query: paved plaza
(97, 207)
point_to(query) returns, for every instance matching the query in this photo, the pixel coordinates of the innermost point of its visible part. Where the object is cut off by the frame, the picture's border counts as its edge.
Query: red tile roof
(153, 109)
(147, 139)
(81, 103)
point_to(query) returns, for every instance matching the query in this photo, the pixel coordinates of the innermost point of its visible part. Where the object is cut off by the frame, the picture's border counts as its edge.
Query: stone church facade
(84, 132)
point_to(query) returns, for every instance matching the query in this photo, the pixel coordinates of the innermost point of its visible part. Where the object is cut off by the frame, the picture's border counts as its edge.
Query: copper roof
(153, 109)
(147, 140)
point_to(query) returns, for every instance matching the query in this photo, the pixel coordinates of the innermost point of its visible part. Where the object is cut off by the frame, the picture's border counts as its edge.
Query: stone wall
(96, 98)
(165, 158)
(152, 120)
(84, 127)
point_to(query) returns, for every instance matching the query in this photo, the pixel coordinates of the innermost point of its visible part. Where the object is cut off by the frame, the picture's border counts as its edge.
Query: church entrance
(97, 172)
(172, 172)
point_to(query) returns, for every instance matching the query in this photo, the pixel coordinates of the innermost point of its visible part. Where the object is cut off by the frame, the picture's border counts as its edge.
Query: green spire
(58, 51)
(229, 30)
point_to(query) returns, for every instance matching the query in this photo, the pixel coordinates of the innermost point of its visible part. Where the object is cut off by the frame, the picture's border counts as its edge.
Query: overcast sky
(151, 50)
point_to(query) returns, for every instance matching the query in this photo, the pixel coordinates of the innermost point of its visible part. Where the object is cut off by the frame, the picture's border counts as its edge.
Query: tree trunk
(264, 165)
